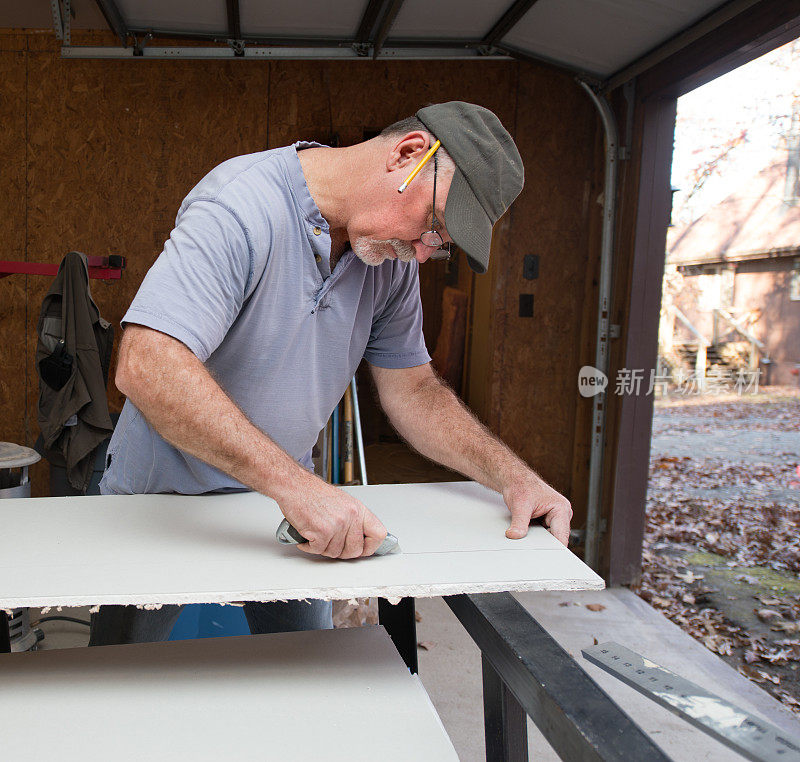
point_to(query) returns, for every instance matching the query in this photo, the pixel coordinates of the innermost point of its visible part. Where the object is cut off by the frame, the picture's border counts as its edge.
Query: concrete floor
(450, 669)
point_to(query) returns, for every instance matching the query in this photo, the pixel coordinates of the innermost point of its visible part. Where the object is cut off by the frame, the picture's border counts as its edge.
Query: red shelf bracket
(100, 268)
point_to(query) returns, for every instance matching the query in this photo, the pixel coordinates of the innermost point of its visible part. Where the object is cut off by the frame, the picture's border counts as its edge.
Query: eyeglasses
(431, 238)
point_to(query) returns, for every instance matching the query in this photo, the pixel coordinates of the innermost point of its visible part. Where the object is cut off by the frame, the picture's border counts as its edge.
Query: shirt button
(318, 257)
(317, 230)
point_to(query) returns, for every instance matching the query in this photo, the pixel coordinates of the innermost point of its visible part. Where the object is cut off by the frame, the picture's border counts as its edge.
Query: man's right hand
(185, 405)
(335, 524)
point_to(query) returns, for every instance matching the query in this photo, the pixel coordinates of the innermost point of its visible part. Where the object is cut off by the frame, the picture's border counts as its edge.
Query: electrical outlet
(530, 267)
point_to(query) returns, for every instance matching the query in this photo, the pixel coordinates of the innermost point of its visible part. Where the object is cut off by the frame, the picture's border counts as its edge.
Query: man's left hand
(530, 497)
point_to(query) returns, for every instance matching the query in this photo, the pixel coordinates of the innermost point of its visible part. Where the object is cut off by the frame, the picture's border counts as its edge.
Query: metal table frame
(526, 673)
(5, 635)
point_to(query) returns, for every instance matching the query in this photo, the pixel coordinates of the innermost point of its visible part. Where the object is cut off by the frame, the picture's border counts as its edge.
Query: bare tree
(717, 142)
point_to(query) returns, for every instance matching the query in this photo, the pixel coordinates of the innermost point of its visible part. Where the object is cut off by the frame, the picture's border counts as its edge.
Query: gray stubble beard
(373, 251)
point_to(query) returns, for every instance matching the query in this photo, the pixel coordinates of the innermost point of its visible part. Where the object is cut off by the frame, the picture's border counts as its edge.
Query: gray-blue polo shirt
(244, 281)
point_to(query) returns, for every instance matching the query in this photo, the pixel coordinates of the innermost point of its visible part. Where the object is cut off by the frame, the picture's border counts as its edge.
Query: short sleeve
(196, 288)
(396, 339)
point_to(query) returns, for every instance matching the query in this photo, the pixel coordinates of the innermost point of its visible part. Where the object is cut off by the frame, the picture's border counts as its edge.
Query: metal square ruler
(750, 736)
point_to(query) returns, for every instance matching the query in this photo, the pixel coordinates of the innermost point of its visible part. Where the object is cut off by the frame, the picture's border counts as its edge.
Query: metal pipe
(326, 455)
(362, 460)
(335, 446)
(592, 537)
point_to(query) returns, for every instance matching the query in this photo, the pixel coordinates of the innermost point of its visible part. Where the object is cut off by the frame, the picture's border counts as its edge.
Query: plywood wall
(105, 152)
(535, 365)
(13, 302)
(97, 156)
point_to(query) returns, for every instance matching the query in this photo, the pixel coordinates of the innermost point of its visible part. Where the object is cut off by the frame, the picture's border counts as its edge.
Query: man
(284, 270)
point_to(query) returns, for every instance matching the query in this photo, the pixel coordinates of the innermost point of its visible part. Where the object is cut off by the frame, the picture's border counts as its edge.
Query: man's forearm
(433, 420)
(187, 407)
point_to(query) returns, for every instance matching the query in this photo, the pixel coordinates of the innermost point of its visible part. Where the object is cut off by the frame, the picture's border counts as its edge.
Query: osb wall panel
(536, 360)
(12, 224)
(13, 40)
(112, 148)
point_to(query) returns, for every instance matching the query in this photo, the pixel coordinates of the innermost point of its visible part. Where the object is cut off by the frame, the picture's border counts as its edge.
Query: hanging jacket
(73, 355)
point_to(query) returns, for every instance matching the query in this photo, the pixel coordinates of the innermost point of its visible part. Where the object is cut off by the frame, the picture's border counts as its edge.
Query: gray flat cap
(489, 173)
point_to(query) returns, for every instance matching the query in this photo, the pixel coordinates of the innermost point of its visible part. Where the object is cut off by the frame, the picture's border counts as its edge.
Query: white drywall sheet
(324, 695)
(152, 549)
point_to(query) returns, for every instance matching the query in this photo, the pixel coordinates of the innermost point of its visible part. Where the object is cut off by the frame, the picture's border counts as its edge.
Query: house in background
(732, 281)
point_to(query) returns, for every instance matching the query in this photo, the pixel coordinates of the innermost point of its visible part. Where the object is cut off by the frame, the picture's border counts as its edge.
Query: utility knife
(288, 535)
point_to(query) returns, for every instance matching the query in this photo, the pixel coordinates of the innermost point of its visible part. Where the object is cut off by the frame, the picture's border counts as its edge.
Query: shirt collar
(297, 182)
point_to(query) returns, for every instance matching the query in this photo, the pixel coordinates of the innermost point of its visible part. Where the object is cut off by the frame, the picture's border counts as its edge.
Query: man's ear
(408, 151)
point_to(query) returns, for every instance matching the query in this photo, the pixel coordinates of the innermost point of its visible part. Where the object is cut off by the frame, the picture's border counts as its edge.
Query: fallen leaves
(711, 506)
(595, 607)
(786, 627)
(719, 502)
